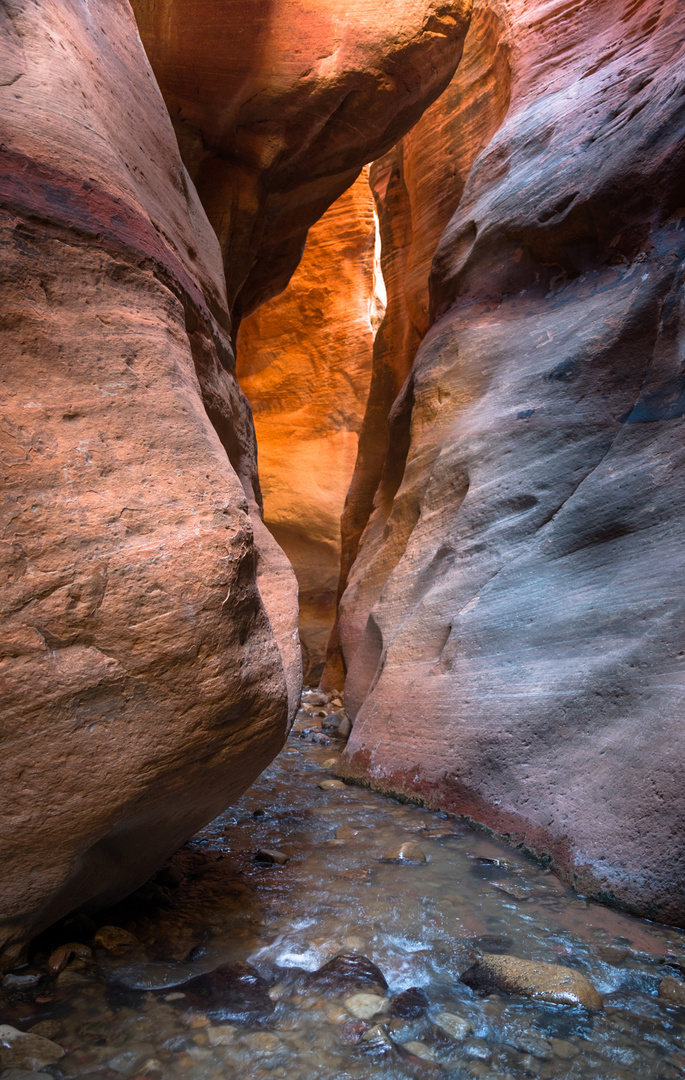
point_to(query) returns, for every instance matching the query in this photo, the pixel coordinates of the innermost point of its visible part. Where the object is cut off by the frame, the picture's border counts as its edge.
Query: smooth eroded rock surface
(513, 624)
(142, 684)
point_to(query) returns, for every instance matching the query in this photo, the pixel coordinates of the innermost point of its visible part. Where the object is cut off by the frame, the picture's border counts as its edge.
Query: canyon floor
(320, 930)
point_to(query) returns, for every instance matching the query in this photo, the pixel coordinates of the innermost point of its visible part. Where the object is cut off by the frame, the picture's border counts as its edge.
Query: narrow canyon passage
(342, 347)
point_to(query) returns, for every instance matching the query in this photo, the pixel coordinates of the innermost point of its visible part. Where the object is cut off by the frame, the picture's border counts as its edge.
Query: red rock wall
(142, 685)
(304, 361)
(149, 659)
(513, 623)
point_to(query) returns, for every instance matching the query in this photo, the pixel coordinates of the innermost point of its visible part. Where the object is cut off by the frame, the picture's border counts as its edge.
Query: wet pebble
(272, 855)
(20, 981)
(528, 1042)
(113, 939)
(365, 1006)
(532, 979)
(409, 852)
(453, 1025)
(60, 957)
(49, 1029)
(346, 972)
(221, 1034)
(672, 990)
(332, 785)
(19, 1050)
(477, 1048)
(420, 1050)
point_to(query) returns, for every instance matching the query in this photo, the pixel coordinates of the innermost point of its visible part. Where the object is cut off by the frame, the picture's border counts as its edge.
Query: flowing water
(342, 891)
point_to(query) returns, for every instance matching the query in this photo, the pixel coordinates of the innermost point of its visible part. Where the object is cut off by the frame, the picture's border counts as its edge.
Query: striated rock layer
(304, 361)
(150, 659)
(513, 627)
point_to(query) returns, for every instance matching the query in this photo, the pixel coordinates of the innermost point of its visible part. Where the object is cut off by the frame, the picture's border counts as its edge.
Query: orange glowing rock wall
(304, 361)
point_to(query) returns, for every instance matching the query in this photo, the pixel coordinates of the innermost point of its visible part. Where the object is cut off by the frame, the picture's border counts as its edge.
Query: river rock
(344, 728)
(517, 892)
(364, 1006)
(453, 1025)
(410, 1004)
(20, 1050)
(377, 1041)
(272, 855)
(672, 990)
(49, 1029)
(420, 1050)
(408, 852)
(532, 979)
(115, 940)
(230, 992)
(221, 1034)
(18, 981)
(332, 785)
(348, 971)
(60, 957)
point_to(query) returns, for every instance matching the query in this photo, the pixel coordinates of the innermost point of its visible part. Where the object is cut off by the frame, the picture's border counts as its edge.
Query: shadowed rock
(410, 1004)
(347, 971)
(231, 992)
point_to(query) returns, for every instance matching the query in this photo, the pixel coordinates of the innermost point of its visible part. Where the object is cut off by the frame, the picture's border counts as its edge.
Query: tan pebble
(332, 785)
(354, 943)
(453, 1025)
(564, 1049)
(408, 852)
(220, 1034)
(201, 1038)
(420, 1050)
(330, 763)
(49, 1029)
(194, 1020)
(27, 1051)
(366, 1006)
(672, 990)
(345, 832)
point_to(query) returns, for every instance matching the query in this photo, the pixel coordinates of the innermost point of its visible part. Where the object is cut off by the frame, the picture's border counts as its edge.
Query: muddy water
(422, 923)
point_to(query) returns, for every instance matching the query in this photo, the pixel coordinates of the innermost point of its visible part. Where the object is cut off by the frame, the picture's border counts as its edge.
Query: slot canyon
(343, 589)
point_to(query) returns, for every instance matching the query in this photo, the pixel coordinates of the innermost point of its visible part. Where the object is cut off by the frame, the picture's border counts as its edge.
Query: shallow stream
(132, 1013)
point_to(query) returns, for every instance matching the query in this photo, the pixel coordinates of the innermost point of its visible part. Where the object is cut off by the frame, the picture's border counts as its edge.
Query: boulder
(531, 979)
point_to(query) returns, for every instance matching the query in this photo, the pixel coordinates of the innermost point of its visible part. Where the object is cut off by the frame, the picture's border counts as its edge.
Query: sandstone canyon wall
(514, 624)
(304, 361)
(150, 660)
